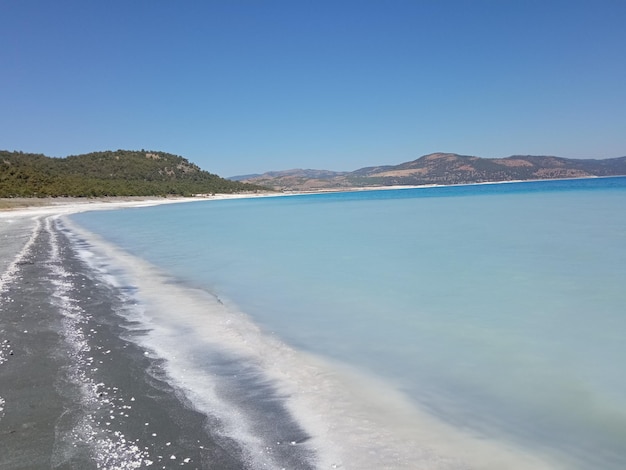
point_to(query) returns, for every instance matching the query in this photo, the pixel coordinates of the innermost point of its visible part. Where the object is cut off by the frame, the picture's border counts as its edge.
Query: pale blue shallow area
(500, 308)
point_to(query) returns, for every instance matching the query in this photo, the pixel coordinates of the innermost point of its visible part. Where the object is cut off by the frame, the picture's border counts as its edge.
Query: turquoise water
(496, 309)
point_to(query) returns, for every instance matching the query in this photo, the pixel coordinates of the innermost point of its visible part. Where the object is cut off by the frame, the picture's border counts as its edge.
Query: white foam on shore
(7, 277)
(110, 449)
(11, 271)
(171, 337)
(356, 421)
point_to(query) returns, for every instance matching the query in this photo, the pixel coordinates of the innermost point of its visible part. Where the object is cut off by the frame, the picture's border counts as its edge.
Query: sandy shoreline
(67, 205)
(11, 208)
(56, 409)
(75, 390)
(50, 206)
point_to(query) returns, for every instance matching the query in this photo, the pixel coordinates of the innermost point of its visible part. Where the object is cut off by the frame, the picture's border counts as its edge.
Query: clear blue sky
(245, 86)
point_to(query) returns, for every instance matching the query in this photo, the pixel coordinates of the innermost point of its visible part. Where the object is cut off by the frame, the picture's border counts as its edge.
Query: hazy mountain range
(441, 168)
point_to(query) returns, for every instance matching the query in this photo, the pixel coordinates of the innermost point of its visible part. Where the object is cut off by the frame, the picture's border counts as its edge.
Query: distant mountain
(443, 169)
(109, 173)
(297, 173)
(300, 180)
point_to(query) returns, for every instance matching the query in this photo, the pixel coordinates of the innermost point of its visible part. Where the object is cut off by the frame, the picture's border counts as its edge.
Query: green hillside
(109, 173)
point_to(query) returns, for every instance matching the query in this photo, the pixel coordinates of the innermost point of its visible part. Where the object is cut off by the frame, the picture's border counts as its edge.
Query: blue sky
(246, 86)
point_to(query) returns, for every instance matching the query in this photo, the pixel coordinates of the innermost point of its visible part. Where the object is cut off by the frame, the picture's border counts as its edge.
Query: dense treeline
(109, 173)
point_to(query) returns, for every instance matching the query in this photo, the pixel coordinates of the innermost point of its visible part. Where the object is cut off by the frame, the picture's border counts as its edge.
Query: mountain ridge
(444, 169)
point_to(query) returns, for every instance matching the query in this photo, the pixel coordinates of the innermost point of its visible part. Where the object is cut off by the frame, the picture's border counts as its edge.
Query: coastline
(276, 399)
(67, 205)
(95, 396)
(435, 185)
(75, 391)
(78, 389)
(25, 282)
(10, 207)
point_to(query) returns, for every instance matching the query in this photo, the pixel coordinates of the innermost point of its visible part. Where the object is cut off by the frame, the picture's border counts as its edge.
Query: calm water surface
(498, 309)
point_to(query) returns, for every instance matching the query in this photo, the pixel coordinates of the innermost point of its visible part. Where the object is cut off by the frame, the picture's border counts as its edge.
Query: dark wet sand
(101, 404)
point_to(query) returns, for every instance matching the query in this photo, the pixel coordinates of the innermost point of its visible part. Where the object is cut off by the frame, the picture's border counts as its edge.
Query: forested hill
(109, 173)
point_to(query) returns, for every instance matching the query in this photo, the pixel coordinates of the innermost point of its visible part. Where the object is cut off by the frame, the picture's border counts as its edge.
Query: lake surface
(475, 326)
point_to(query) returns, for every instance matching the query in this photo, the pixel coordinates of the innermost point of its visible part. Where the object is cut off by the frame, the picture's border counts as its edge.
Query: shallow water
(492, 311)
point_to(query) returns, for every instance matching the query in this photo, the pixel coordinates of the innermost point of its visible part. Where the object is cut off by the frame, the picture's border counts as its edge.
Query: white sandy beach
(72, 205)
